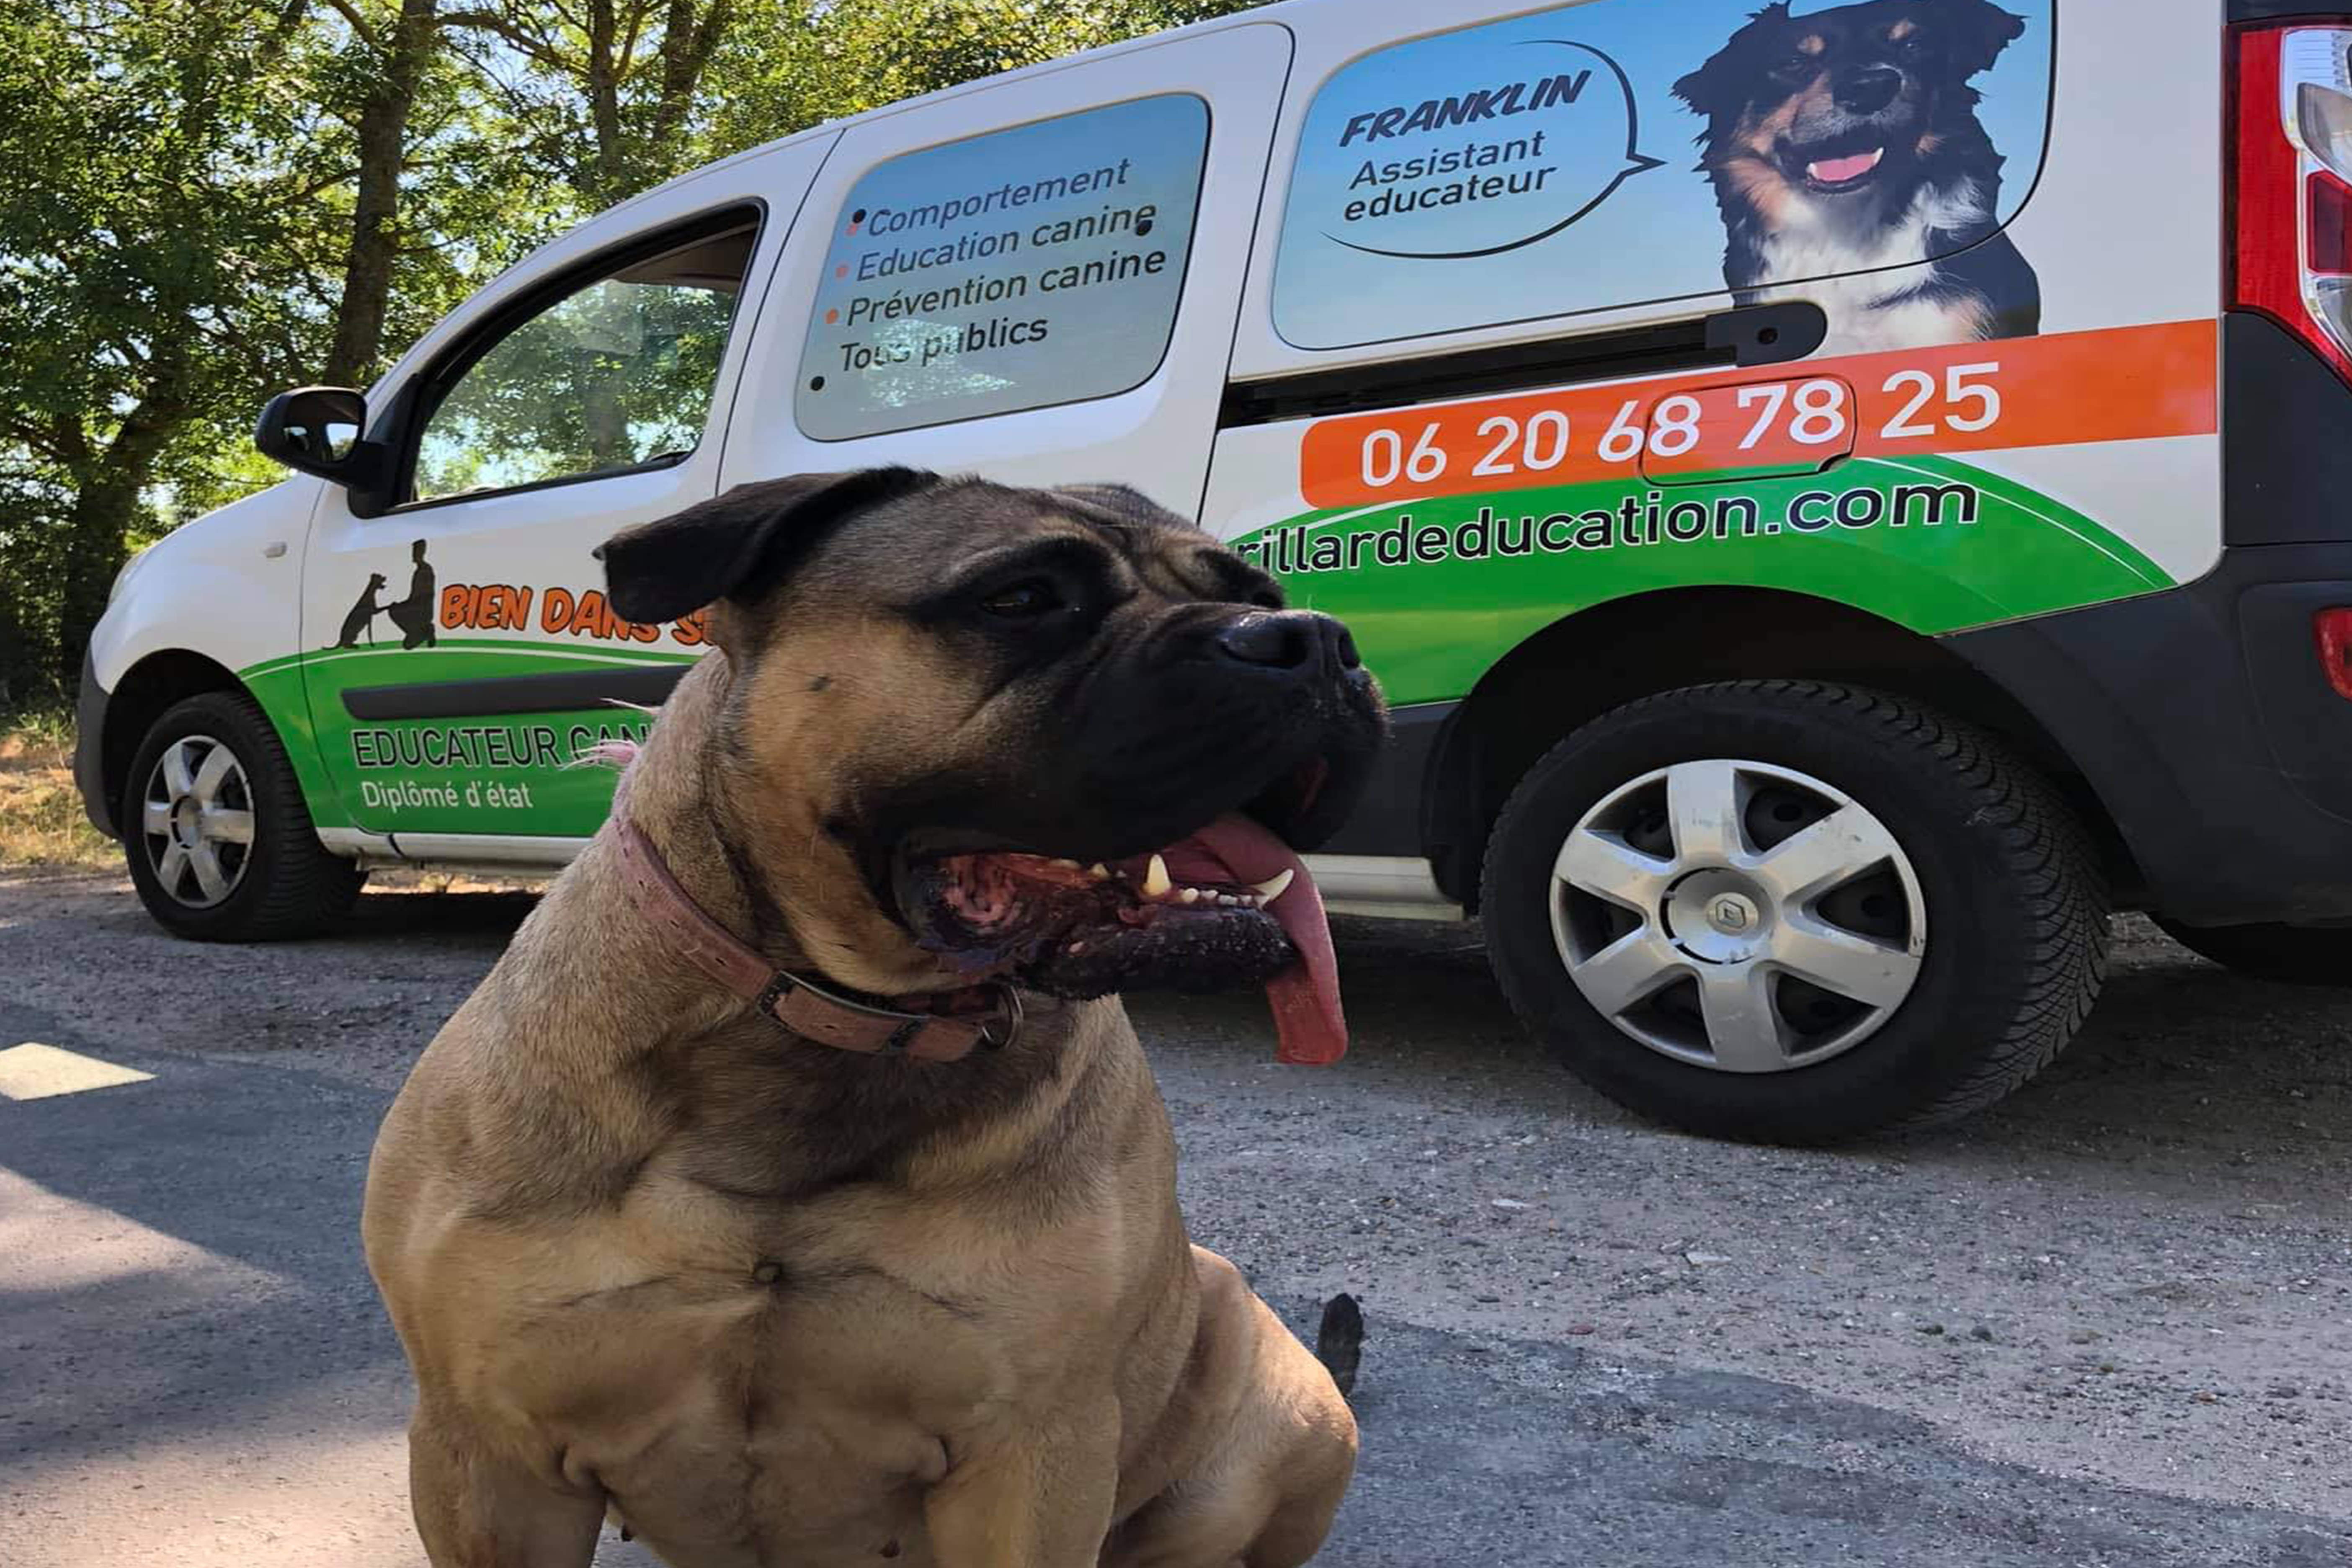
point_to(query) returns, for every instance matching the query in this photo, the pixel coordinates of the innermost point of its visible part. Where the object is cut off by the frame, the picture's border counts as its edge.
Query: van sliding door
(1035, 279)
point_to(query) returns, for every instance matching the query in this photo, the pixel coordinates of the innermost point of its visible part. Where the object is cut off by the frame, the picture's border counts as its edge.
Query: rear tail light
(2292, 186)
(2335, 632)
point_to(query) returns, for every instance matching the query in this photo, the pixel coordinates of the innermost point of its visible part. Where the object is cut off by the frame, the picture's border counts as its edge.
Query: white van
(1840, 496)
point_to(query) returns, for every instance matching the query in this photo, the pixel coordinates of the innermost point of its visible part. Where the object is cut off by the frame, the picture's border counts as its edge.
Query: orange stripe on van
(2123, 384)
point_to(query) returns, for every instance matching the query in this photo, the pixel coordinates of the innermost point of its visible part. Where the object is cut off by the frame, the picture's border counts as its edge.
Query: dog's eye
(1025, 600)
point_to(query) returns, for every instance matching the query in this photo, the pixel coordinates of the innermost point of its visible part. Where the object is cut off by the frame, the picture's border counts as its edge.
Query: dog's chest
(1865, 317)
(1877, 284)
(782, 1411)
(763, 1382)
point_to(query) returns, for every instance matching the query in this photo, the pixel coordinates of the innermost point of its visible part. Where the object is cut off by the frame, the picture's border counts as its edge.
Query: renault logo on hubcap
(1731, 913)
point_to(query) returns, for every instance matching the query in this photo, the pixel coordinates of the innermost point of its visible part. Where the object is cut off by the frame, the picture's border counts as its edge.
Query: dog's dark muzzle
(1867, 92)
(1867, 107)
(1297, 645)
(1269, 711)
(1266, 713)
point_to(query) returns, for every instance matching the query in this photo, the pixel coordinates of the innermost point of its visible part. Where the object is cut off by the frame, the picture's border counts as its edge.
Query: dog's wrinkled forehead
(899, 535)
(907, 551)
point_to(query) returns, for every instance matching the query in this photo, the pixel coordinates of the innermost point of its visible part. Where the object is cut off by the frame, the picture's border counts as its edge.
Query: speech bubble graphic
(1503, 163)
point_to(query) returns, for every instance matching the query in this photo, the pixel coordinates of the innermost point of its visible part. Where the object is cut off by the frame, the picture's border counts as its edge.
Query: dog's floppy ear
(1703, 88)
(1717, 87)
(738, 544)
(1979, 30)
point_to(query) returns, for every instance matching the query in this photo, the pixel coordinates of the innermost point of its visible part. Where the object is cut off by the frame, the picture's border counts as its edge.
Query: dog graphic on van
(411, 617)
(1844, 147)
(362, 613)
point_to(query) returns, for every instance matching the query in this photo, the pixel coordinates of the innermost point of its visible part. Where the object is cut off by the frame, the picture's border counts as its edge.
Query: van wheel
(2298, 955)
(1793, 912)
(219, 843)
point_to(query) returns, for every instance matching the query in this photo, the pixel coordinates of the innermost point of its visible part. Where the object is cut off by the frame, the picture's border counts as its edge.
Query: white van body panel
(2115, 169)
(1333, 34)
(2126, 225)
(1156, 436)
(246, 556)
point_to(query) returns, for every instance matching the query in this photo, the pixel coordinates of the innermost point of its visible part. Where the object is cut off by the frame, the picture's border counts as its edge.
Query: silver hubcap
(1738, 916)
(198, 821)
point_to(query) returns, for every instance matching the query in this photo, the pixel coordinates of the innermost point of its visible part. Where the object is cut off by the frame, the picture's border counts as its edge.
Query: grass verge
(42, 824)
(41, 820)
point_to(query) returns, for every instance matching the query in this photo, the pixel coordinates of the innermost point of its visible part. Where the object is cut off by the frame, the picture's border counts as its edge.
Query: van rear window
(1542, 165)
(1029, 267)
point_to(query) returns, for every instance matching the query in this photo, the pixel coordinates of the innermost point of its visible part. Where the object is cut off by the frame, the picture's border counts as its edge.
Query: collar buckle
(1014, 1014)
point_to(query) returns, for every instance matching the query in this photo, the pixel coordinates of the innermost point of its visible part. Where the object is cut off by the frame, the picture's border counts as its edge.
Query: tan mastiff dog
(795, 1191)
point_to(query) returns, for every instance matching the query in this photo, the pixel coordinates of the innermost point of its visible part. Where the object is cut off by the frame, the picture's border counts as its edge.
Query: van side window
(1028, 267)
(1542, 165)
(616, 374)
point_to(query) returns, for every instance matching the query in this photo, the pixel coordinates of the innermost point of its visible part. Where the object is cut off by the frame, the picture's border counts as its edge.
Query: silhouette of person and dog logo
(412, 617)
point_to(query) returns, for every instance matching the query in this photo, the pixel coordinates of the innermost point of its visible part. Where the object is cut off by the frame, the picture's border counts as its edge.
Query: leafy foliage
(794, 65)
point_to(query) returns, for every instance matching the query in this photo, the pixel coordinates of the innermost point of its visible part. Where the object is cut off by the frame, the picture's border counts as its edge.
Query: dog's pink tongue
(1838, 171)
(1309, 1024)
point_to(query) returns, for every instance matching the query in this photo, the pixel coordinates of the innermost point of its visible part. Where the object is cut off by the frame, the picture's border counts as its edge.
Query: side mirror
(321, 430)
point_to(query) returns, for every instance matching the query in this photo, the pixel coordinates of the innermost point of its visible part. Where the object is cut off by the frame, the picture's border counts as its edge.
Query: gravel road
(2113, 1316)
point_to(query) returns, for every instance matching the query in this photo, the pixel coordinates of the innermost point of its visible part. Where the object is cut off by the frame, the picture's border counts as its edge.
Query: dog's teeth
(1156, 882)
(1076, 948)
(1188, 895)
(1066, 865)
(1229, 901)
(1099, 871)
(1273, 887)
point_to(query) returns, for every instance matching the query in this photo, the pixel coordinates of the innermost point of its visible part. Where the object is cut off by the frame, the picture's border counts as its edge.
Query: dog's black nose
(1868, 90)
(1288, 639)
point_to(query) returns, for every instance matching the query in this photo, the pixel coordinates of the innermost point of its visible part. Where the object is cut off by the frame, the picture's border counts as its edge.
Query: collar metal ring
(1014, 1015)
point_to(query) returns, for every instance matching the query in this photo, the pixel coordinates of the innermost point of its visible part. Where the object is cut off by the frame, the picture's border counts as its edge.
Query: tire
(1954, 913)
(219, 841)
(2296, 955)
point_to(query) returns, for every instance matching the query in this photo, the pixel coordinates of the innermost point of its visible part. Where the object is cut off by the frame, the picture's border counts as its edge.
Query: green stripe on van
(303, 692)
(1437, 590)
(585, 651)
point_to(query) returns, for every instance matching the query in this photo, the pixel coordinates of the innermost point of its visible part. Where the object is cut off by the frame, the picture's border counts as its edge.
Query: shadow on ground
(181, 1268)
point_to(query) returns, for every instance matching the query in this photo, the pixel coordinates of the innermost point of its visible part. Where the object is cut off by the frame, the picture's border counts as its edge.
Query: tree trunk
(109, 483)
(383, 147)
(686, 52)
(96, 540)
(605, 68)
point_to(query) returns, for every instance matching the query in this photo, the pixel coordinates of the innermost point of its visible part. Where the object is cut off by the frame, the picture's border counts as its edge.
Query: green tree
(786, 66)
(203, 208)
(442, 192)
(153, 269)
(611, 86)
(400, 49)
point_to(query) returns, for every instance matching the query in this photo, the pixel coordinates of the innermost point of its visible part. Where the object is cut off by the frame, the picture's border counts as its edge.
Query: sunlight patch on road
(314, 1472)
(35, 1071)
(51, 1243)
